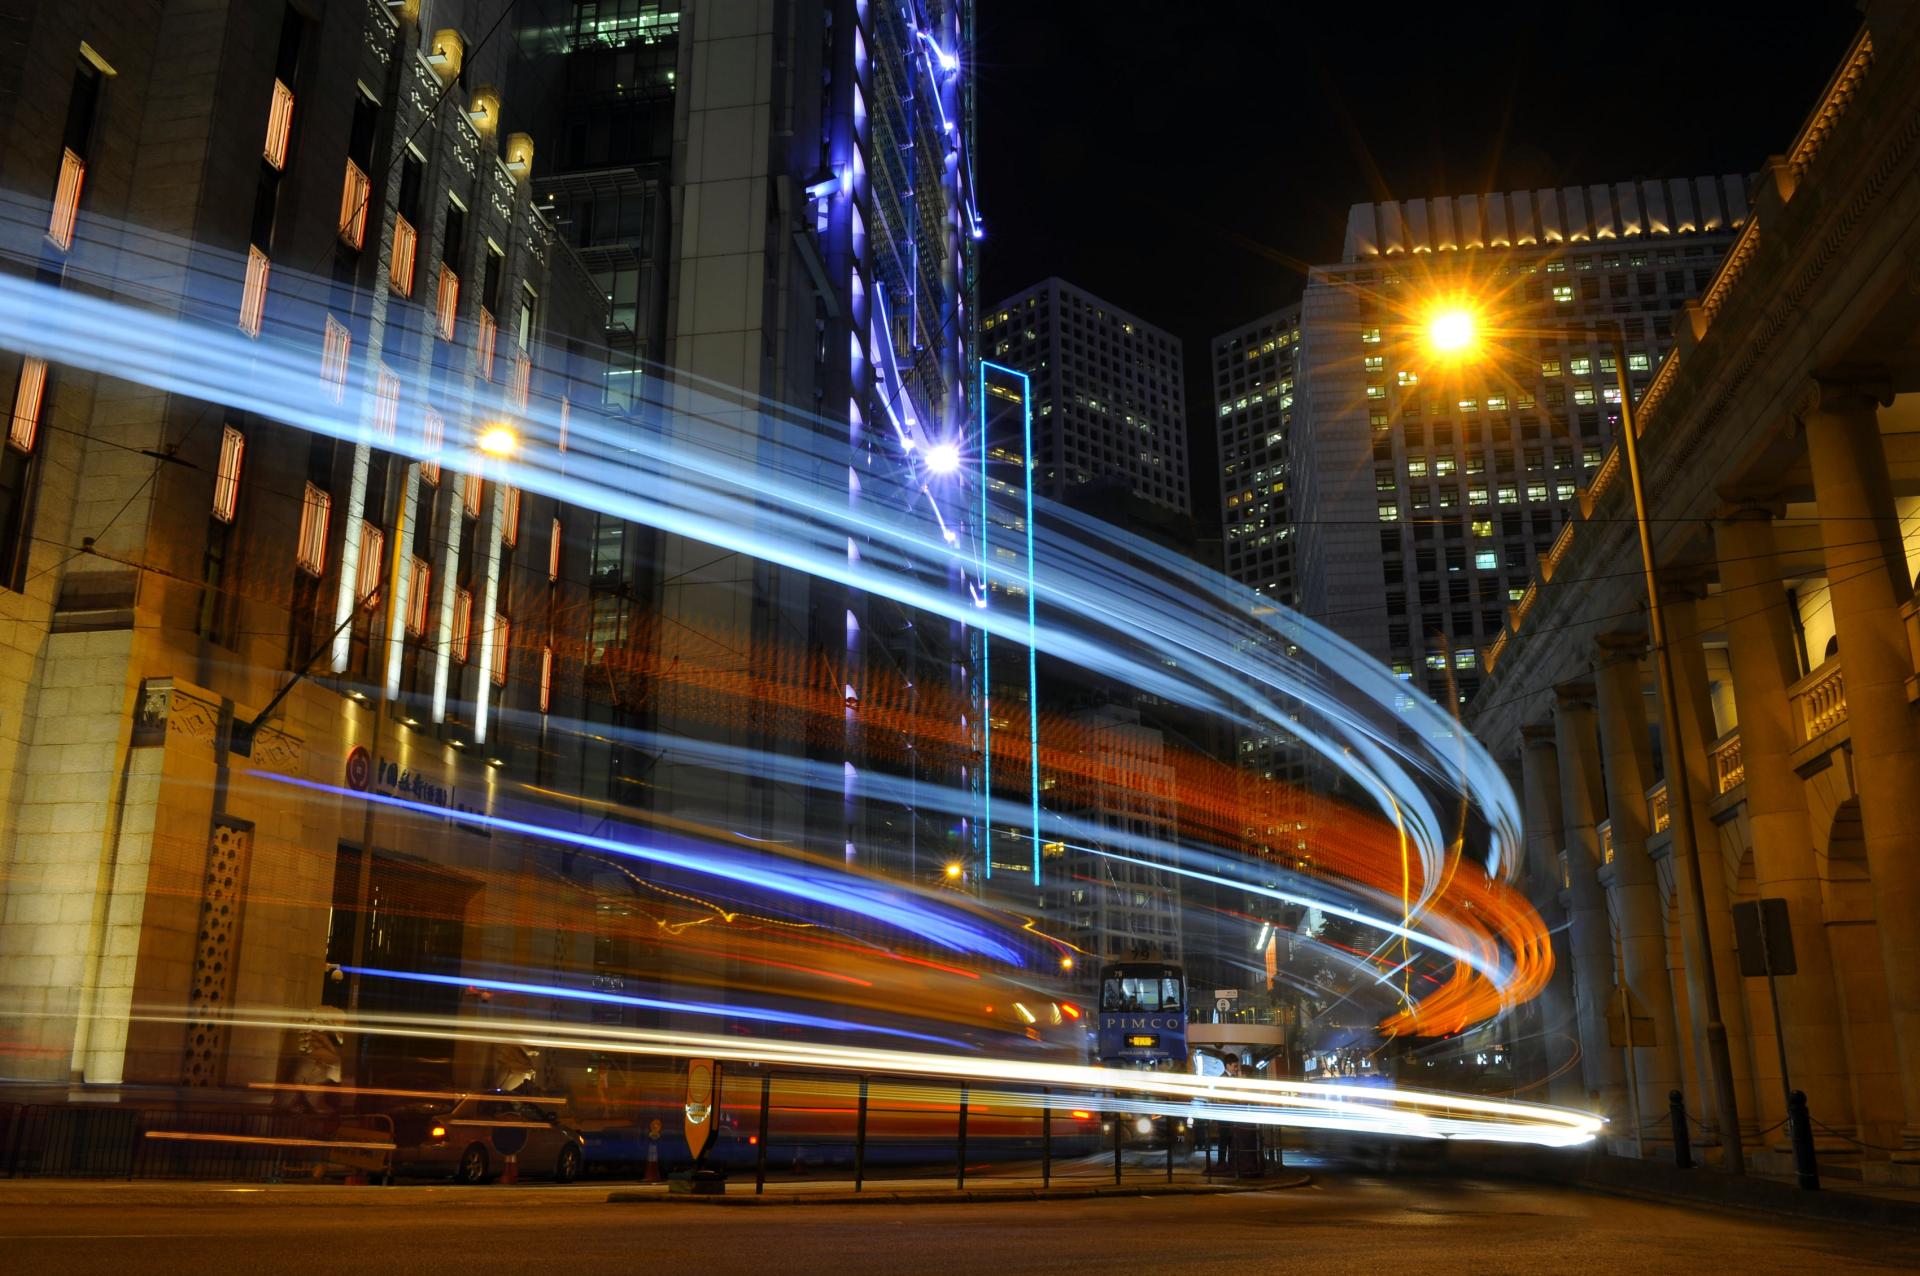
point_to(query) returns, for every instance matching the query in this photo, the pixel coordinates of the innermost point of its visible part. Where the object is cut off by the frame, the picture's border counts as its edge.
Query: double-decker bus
(1143, 1015)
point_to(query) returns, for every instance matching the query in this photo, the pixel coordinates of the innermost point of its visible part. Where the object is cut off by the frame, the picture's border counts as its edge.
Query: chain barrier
(1848, 1138)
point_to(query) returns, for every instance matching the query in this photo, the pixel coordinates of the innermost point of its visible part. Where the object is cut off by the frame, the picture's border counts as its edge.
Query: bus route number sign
(1143, 1041)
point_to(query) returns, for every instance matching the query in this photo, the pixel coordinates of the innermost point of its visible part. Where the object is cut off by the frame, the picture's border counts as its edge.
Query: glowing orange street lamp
(1453, 331)
(498, 440)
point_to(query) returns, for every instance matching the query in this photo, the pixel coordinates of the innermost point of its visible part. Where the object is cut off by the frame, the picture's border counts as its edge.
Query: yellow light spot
(1451, 331)
(498, 439)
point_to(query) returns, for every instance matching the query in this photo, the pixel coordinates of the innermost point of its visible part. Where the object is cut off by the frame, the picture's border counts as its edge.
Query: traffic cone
(653, 1162)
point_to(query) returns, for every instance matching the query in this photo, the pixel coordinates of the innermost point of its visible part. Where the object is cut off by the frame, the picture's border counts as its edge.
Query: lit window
(1416, 467)
(1549, 367)
(66, 200)
(1610, 393)
(386, 403)
(1383, 481)
(1389, 513)
(279, 125)
(315, 509)
(1590, 455)
(1376, 392)
(28, 397)
(1370, 336)
(1485, 560)
(501, 631)
(1376, 363)
(566, 415)
(1476, 496)
(1483, 529)
(1583, 394)
(510, 515)
(1580, 367)
(1609, 364)
(1523, 399)
(1556, 268)
(373, 554)
(335, 348)
(553, 553)
(484, 343)
(226, 480)
(434, 432)
(1515, 594)
(471, 493)
(1637, 362)
(1508, 495)
(419, 586)
(1496, 403)
(462, 623)
(406, 243)
(1469, 406)
(253, 295)
(1563, 491)
(1536, 491)
(546, 679)
(1443, 466)
(1464, 658)
(353, 207)
(1563, 292)
(520, 379)
(449, 301)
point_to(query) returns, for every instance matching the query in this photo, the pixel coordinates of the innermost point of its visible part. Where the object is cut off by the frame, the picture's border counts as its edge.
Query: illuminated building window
(386, 404)
(448, 302)
(1523, 399)
(1563, 293)
(1637, 362)
(1563, 491)
(419, 587)
(520, 379)
(315, 509)
(66, 199)
(1549, 367)
(553, 553)
(1469, 406)
(226, 480)
(546, 679)
(353, 207)
(1464, 659)
(1483, 529)
(502, 630)
(1389, 513)
(1583, 394)
(406, 246)
(1476, 496)
(1443, 466)
(373, 552)
(253, 295)
(435, 432)
(279, 125)
(1485, 560)
(484, 343)
(510, 515)
(1376, 392)
(1536, 491)
(566, 415)
(1416, 467)
(1370, 336)
(1580, 367)
(462, 623)
(1496, 403)
(335, 348)
(1375, 363)
(28, 397)
(472, 490)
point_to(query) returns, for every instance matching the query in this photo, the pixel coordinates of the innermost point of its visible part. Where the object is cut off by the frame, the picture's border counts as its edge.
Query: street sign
(1223, 1004)
(1226, 994)
(703, 1088)
(1763, 934)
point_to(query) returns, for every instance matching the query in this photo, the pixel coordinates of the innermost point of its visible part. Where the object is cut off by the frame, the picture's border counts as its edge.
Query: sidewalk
(55, 1193)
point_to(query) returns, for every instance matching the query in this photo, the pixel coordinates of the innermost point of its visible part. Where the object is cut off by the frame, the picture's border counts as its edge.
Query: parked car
(469, 1141)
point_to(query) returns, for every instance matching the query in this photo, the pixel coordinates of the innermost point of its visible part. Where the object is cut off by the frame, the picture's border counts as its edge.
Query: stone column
(1867, 582)
(1760, 650)
(1694, 832)
(1559, 1033)
(1640, 904)
(1589, 943)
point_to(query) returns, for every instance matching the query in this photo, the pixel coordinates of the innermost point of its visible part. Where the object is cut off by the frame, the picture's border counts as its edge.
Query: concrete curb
(54, 1195)
(985, 1195)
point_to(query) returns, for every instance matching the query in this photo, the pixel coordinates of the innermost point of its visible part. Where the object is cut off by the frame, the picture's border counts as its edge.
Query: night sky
(1183, 158)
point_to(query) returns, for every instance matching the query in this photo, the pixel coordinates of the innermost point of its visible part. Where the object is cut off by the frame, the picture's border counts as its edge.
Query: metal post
(1800, 1122)
(1680, 799)
(1773, 995)
(963, 1135)
(1116, 1148)
(1626, 1020)
(760, 1159)
(1046, 1137)
(860, 1140)
(1169, 1149)
(1682, 1146)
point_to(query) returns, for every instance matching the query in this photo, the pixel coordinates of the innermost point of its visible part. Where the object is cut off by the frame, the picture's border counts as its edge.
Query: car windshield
(1139, 992)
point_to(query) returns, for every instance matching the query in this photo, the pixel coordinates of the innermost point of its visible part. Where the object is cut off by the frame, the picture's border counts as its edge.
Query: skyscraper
(1423, 493)
(1108, 392)
(1253, 375)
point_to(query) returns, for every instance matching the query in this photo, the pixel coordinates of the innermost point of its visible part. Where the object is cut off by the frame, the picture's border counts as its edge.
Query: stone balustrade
(1729, 768)
(1819, 700)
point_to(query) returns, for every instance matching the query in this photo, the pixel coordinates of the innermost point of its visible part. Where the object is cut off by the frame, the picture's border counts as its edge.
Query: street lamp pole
(1680, 800)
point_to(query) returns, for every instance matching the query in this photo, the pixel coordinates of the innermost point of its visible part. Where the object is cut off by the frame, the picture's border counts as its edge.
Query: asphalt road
(1345, 1223)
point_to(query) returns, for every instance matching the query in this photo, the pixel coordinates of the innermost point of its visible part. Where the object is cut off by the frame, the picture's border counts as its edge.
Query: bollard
(961, 1181)
(1800, 1122)
(860, 1141)
(1169, 1149)
(1682, 1147)
(1116, 1149)
(1046, 1137)
(760, 1155)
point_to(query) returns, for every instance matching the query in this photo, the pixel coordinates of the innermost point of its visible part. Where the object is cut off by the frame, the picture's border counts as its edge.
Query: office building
(1109, 392)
